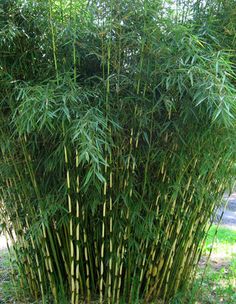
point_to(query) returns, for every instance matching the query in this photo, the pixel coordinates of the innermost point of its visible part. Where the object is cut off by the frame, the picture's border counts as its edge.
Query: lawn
(219, 270)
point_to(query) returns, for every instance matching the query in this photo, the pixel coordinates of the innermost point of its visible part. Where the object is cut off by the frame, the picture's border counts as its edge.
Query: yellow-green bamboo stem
(86, 258)
(72, 264)
(110, 244)
(77, 229)
(103, 245)
(53, 40)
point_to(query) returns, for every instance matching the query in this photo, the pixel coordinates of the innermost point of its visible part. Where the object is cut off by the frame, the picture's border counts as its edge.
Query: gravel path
(229, 217)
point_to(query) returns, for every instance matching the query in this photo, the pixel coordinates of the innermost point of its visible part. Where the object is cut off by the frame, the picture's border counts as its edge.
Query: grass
(4, 274)
(11, 292)
(8, 291)
(216, 278)
(218, 285)
(225, 240)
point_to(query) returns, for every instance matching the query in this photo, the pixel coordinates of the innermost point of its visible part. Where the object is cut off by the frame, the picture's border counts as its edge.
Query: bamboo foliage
(117, 133)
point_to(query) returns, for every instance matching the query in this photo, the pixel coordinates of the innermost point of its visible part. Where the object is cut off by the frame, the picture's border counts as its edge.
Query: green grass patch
(219, 285)
(219, 282)
(224, 236)
(222, 241)
(11, 291)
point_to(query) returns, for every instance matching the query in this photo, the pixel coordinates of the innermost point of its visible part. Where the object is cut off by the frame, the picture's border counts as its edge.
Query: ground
(216, 278)
(219, 283)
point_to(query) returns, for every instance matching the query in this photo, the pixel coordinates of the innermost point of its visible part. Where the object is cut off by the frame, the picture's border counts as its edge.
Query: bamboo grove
(117, 132)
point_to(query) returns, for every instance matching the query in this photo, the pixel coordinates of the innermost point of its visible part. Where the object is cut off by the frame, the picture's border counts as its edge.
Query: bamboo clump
(117, 144)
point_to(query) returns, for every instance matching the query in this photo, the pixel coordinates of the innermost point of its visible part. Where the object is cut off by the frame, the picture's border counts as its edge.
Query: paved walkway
(229, 216)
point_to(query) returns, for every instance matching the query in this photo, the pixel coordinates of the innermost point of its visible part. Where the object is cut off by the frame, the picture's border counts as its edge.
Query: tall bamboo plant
(117, 143)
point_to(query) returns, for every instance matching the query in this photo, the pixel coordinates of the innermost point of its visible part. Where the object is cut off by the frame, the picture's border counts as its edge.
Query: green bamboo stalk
(103, 243)
(88, 291)
(118, 258)
(46, 252)
(111, 242)
(72, 265)
(53, 41)
(78, 277)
